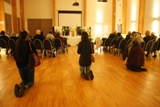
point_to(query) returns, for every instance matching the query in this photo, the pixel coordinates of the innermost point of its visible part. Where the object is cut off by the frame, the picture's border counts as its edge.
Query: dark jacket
(147, 38)
(21, 53)
(41, 37)
(85, 50)
(136, 57)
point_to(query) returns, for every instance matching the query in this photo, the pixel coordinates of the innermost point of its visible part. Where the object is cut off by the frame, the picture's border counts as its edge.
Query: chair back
(148, 46)
(107, 42)
(11, 43)
(128, 41)
(47, 44)
(3, 43)
(38, 44)
(155, 46)
(142, 45)
(122, 44)
(57, 42)
(113, 41)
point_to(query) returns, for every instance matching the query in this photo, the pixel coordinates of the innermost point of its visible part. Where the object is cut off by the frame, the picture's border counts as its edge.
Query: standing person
(85, 49)
(21, 55)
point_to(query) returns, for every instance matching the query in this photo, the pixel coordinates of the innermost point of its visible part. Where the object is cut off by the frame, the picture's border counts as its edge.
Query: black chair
(107, 43)
(121, 46)
(113, 41)
(4, 45)
(39, 46)
(155, 47)
(11, 43)
(49, 47)
(58, 44)
(142, 45)
(148, 47)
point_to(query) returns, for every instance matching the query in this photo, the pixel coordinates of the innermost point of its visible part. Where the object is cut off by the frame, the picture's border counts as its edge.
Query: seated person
(57, 35)
(135, 57)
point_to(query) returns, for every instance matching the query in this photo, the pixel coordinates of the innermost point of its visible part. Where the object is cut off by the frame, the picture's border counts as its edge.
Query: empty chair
(48, 47)
(39, 45)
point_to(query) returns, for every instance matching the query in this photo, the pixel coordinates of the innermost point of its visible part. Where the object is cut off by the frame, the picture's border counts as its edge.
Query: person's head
(23, 34)
(135, 43)
(152, 33)
(13, 34)
(119, 34)
(3, 32)
(84, 36)
(38, 32)
(137, 34)
(147, 33)
(57, 34)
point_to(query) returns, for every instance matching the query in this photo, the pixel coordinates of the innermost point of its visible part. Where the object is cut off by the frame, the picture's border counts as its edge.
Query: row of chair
(150, 47)
(45, 45)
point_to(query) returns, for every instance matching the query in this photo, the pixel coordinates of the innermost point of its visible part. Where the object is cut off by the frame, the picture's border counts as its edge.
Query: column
(141, 16)
(14, 16)
(54, 13)
(124, 16)
(85, 12)
(113, 14)
(2, 16)
(22, 14)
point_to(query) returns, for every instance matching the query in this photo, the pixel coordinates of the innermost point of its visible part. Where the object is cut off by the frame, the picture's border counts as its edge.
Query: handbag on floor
(33, 60)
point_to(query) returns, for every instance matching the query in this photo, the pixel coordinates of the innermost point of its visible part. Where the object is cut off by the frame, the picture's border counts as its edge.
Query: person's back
(112, 35)
(85, 49)
(147, 37)
(38, 36)
(135, 58)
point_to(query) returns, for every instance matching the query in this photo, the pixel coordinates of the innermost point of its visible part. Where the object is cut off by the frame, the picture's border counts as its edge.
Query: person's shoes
(84, 76)
(21, 90)
(91, 75)
(16, 90)
(143, 69)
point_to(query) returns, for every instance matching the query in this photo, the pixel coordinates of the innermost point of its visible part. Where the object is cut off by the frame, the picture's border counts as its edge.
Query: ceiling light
(75, 4)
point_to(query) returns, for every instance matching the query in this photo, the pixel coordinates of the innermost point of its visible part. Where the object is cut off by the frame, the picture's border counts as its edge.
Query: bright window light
(155, 26)
(98, 29)
(156, 8)
(99, 17)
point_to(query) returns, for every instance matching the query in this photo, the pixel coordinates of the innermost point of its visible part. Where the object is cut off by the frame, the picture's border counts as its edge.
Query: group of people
(6, 38)
(133, 50)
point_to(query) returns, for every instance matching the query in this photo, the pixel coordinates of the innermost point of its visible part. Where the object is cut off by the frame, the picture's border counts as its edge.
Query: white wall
(7, 8)
(38, 9)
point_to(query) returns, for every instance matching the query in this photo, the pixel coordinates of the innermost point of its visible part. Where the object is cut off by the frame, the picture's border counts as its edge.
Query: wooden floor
(58, 83)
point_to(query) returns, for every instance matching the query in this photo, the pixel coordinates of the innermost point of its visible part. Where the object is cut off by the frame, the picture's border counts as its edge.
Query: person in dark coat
(21, 56)
(85, 49)
(38, 35)
(5, 38)
(147, 38)
(135, 59)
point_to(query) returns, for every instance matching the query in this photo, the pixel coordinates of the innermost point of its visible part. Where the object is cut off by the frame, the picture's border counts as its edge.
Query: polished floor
(58, 83)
